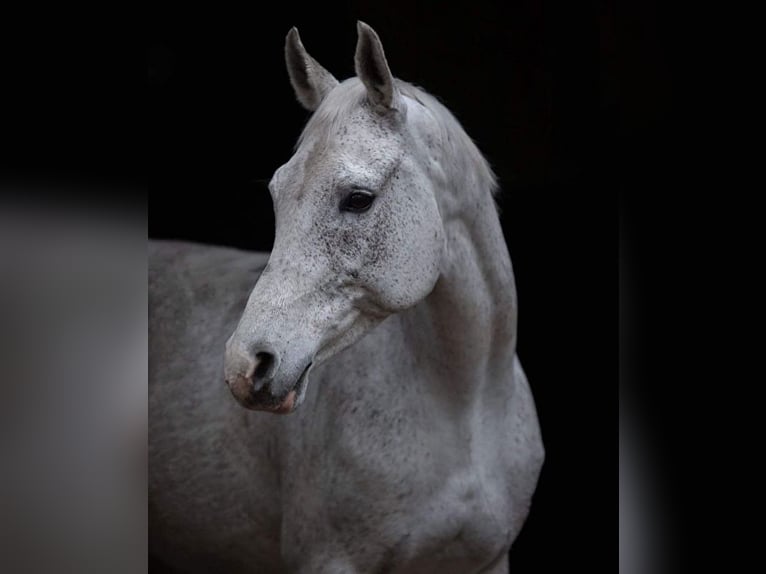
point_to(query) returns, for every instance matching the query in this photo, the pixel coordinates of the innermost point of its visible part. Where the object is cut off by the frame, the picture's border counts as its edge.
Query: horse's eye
(357, 201)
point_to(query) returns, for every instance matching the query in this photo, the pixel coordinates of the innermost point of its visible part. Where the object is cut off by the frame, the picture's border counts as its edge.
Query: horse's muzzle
(253, 386)
(261, 399)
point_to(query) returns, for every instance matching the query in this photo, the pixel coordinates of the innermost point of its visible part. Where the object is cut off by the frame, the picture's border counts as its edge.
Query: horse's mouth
(263, 400)
(286, 406)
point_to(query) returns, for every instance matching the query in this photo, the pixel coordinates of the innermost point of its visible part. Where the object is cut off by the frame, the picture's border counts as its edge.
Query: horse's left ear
(372, 69)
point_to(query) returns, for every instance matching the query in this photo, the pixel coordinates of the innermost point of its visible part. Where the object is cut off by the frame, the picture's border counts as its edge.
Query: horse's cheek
(424, 259)
(423, 250)
(406, 265)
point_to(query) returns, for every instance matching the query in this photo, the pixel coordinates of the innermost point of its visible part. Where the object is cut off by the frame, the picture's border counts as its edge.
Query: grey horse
(383, 324)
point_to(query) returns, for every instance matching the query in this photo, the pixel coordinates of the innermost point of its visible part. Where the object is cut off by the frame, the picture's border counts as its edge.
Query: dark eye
(357, 201)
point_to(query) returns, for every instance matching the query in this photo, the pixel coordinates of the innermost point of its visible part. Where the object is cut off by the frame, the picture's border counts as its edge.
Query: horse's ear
(310, 80)
(372, 69)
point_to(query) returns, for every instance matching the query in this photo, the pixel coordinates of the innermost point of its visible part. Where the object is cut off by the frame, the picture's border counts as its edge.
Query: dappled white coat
(384, 322)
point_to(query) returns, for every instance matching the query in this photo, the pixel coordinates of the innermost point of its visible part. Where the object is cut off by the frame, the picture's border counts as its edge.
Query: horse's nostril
(265, 363)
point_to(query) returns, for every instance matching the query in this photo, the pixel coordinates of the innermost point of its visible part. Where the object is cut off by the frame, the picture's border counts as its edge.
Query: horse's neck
(467, 325)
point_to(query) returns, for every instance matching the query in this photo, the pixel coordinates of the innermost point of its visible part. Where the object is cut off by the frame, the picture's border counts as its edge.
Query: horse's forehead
(349, 151)
(349, 158)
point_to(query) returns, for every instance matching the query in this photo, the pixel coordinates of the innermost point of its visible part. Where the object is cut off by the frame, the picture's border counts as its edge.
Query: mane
(458, 148)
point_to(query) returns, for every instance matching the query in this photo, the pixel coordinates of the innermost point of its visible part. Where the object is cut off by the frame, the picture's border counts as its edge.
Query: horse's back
(200, 272)
(203, 471)
(195, 293)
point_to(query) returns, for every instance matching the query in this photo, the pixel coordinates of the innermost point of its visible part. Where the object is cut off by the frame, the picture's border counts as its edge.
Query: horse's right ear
(310, 80)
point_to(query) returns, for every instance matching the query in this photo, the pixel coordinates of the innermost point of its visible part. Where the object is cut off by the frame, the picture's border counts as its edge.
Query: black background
(524, 79)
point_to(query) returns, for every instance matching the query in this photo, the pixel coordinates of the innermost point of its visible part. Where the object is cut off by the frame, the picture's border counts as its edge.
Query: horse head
(359, 235)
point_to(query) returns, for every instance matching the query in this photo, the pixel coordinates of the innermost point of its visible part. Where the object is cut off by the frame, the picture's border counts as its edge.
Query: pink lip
(286, 405)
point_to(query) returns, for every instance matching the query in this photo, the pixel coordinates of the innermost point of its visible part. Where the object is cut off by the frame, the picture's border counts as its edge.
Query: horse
(388, 425)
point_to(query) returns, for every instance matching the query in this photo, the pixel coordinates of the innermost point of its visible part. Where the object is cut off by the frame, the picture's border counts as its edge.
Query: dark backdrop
(523, 78)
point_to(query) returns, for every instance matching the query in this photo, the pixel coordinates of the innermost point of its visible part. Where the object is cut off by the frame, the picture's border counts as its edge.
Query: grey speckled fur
(413, 444)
